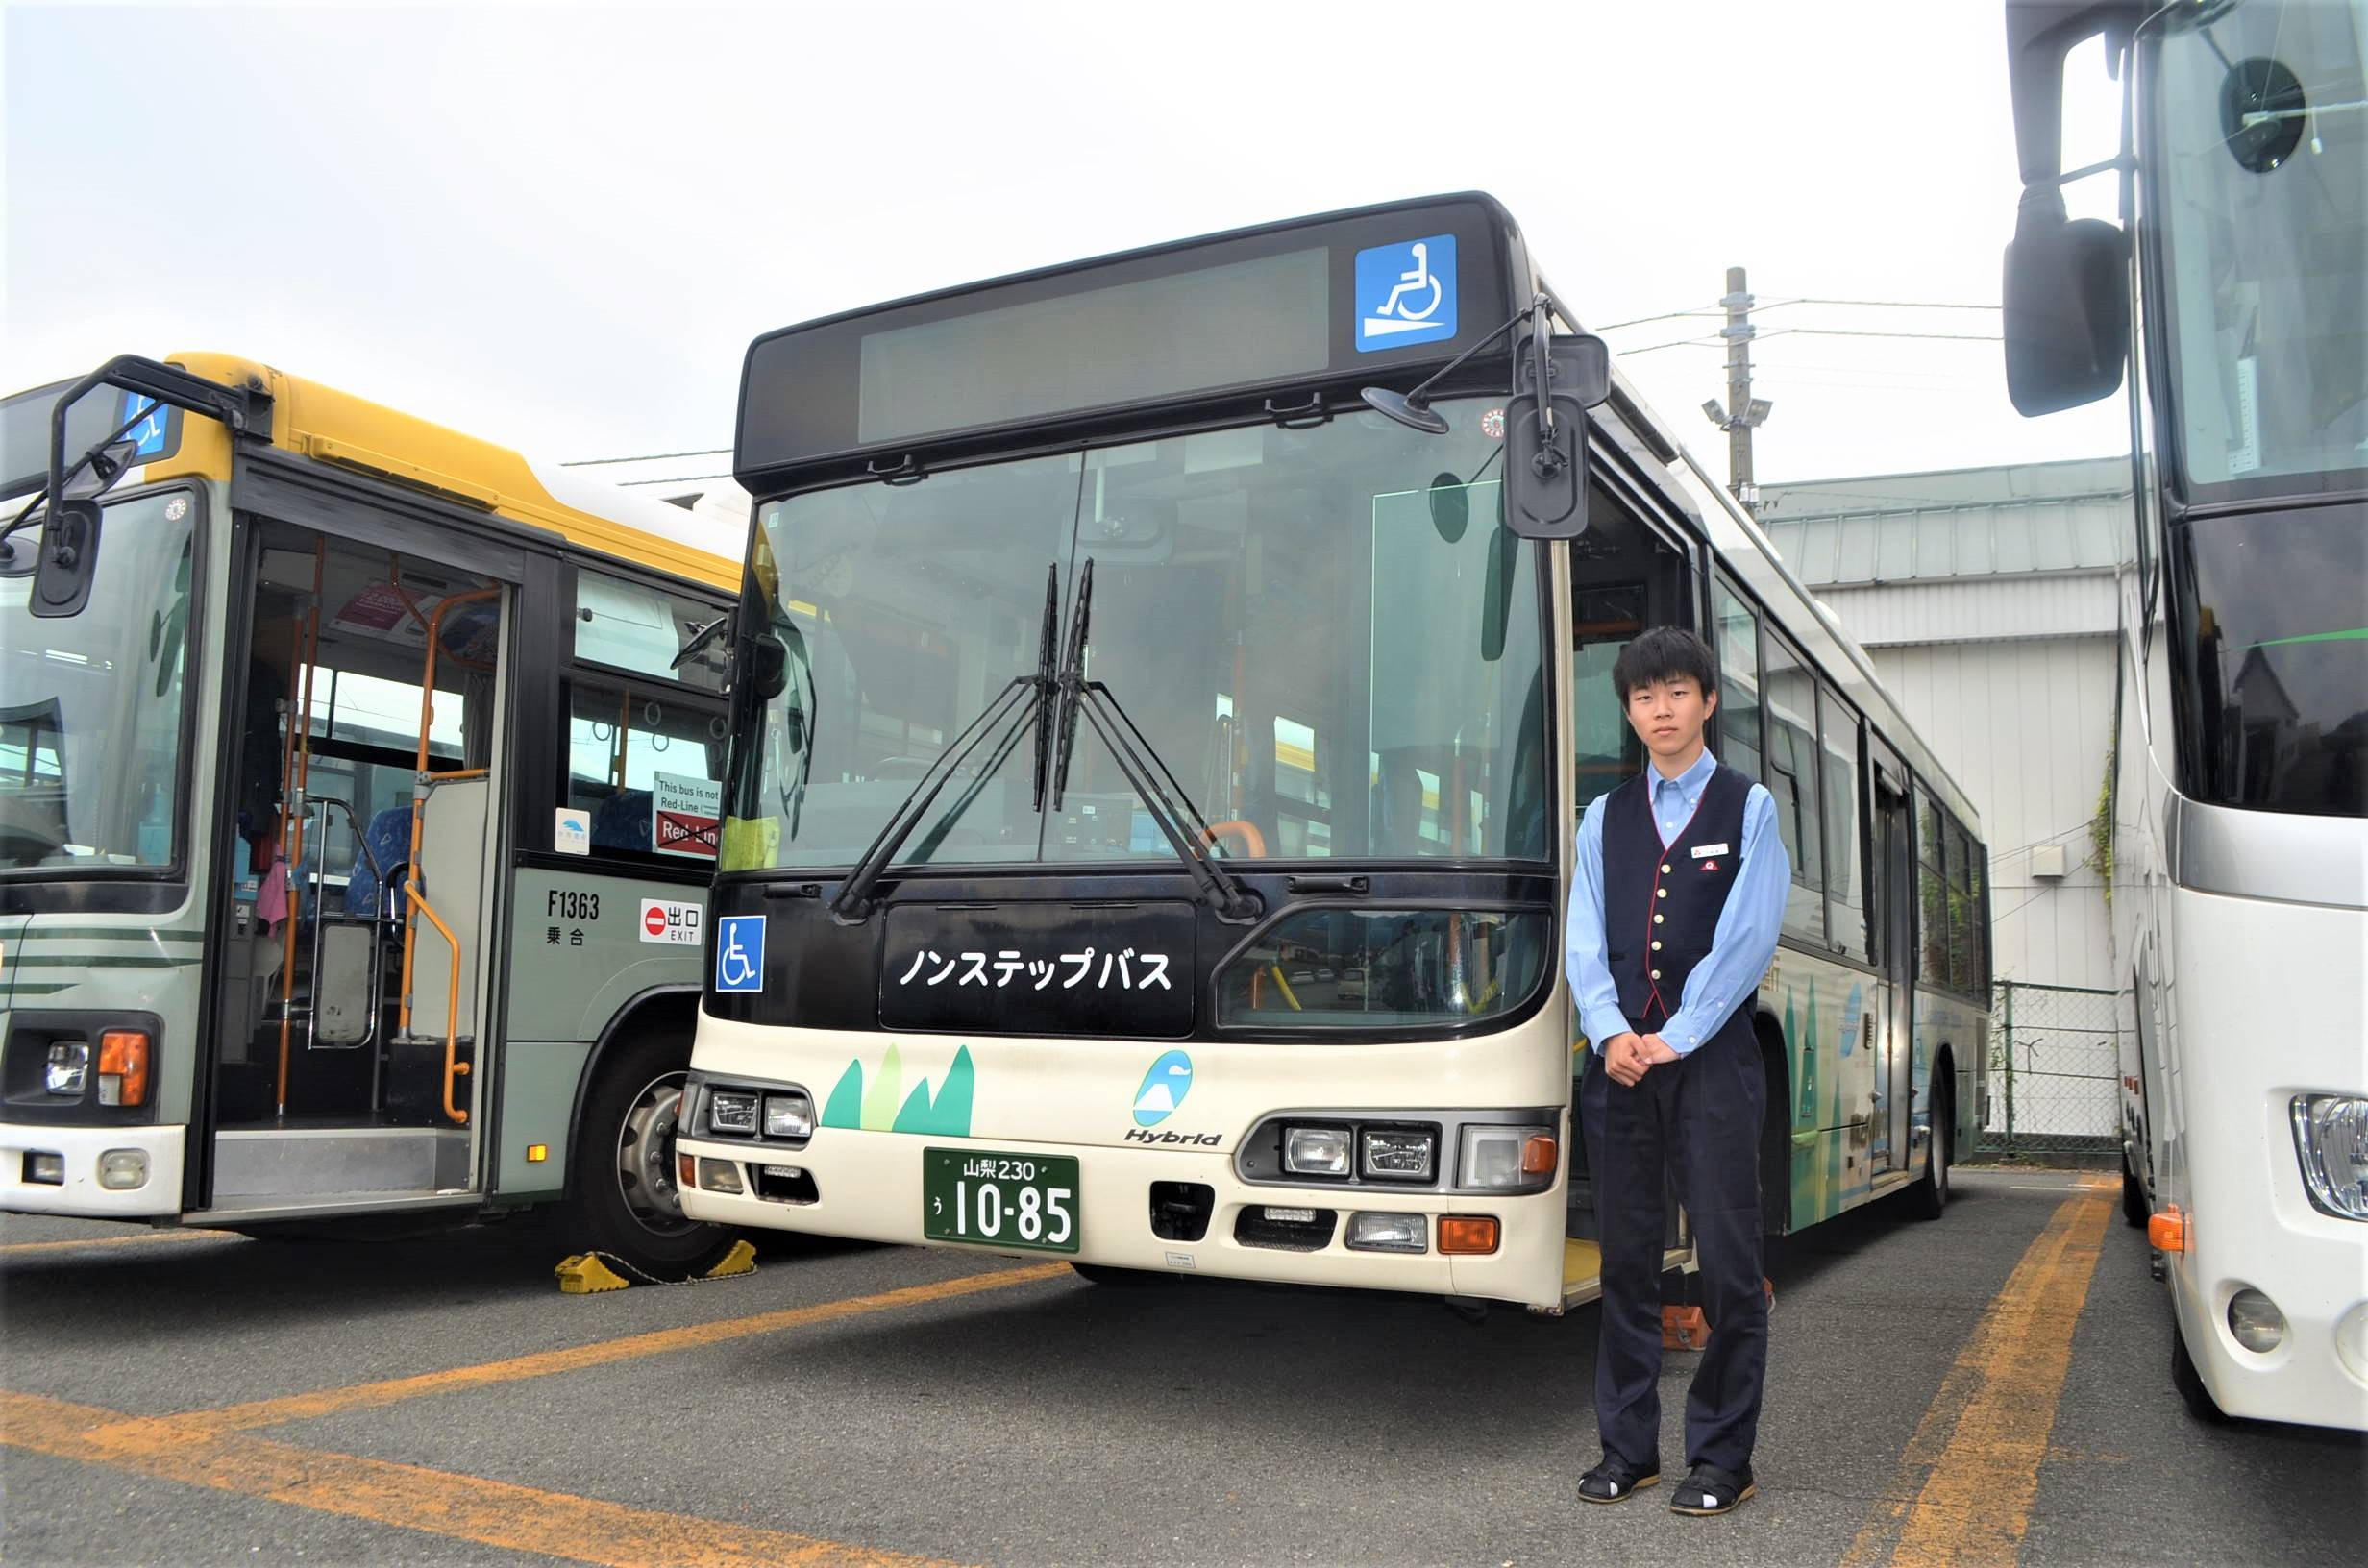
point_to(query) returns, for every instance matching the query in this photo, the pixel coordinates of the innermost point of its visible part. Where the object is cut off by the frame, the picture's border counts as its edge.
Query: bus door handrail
(295, 773)
(423, 780)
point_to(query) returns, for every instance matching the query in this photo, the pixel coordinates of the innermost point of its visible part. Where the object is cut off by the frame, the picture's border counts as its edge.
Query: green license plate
(999, 1200)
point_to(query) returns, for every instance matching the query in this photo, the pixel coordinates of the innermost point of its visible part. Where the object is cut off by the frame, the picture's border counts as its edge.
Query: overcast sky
(560, 227)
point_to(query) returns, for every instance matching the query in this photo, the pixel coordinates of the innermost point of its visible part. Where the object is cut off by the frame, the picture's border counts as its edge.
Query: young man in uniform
(1674, 909)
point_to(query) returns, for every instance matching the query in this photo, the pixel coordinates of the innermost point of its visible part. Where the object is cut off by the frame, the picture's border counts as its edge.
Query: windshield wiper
(1025, 695)
(1188, 831)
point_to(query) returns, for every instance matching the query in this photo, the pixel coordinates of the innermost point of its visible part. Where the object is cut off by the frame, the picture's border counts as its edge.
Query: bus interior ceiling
(311, 1041)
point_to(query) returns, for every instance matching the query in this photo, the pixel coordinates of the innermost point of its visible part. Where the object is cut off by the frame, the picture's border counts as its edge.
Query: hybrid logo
(1163, 1089)
(1174, 1140)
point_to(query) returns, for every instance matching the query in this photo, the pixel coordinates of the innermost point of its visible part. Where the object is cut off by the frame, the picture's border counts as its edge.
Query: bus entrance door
(362, 879)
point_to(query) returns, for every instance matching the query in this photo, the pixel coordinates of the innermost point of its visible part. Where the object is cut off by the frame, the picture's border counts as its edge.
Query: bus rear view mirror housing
(766, 661)
(68, 559)
(1545, 435)
(2068, 307)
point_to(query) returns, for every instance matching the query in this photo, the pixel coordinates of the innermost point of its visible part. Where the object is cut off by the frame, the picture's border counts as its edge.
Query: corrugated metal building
(1986, 598)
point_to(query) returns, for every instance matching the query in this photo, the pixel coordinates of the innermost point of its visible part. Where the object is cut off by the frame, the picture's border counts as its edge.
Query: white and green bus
(358, 793)
(1169, 686)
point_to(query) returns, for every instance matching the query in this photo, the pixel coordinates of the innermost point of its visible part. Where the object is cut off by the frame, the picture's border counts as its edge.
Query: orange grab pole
(1253, 842)
(419, 793)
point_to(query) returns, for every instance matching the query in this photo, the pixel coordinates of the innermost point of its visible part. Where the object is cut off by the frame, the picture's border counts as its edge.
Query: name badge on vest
(1704, 851)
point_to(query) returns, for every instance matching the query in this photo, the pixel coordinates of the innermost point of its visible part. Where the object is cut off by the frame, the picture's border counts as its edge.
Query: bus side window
(645, 740)
(1845, 882)
(1965, 936)
(1931, 893)
(1792, 780)
(1737, 645)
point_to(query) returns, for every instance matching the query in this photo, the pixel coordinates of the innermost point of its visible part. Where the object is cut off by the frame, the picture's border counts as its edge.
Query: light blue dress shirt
(1742, 944)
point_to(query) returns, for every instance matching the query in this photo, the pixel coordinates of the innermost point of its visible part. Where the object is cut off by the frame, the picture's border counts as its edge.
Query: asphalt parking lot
(1989, 1388)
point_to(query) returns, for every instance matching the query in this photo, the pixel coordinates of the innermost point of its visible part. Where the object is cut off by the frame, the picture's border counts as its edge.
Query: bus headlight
(2255, 1321)
(789, 1116)
(1316, 1151)
(731, 1111)
(2331, 1138)
(1394, 1155)
(68, 1065)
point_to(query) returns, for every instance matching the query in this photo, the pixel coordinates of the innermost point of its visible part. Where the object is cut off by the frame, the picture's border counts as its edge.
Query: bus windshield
(90, 705)
(1325, 634)
(2259, 180)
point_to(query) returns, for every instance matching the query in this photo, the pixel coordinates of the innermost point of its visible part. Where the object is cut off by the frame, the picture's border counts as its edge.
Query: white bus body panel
(2267, 1001)
(81, 1196)
(1038, 1095)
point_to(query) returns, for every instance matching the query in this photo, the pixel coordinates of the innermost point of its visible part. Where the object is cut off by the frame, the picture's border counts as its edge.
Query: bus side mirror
(765, 662)
(1545, 468)
(2068, 307)
(69, 557)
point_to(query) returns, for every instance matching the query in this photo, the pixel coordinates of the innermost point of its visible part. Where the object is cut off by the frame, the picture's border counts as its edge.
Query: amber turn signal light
(1539, 1154)
(2167, 1230)
(1467, 1234)
(123, 1057)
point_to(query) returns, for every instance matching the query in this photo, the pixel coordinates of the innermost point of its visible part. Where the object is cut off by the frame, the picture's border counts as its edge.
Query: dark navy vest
(1660, 906)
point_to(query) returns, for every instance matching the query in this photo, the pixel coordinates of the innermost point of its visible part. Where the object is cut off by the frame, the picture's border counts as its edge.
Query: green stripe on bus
(2355, 635)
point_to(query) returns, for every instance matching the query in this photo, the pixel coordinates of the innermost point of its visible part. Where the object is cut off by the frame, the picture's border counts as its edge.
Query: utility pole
(1743, 413)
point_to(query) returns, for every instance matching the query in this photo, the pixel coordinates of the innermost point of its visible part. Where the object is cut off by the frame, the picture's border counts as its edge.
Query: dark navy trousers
(1695, 1121)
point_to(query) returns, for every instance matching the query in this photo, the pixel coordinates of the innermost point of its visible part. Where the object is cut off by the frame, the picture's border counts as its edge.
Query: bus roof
(319, 422)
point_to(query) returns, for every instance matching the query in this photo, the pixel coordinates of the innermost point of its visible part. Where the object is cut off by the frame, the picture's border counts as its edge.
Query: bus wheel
(621, 1198)
(1929, 1198)
(2190, 1383)
(2134, 1209)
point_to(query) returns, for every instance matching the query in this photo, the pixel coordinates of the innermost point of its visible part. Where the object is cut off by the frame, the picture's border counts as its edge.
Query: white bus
(1158, 736)
(2233, 293)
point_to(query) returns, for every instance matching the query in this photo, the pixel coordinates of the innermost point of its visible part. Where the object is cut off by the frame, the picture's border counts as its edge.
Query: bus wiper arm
(1187, 832)
(854, 902)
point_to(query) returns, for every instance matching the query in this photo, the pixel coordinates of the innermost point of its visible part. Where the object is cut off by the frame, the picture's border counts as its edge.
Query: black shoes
(1612, 1480)
(1707, 1491)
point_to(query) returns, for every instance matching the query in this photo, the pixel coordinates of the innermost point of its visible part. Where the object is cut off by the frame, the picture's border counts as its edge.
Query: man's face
(1668, 715)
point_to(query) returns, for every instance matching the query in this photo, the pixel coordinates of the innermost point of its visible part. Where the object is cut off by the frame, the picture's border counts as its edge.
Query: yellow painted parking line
(145, 1239)
(362, 1396)
(438, 1502)
(1963, 1491)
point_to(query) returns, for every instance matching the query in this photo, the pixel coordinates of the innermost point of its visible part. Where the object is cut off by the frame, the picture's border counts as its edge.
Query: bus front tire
(2190, 1383)
(620, 1192)
(1929, 1198)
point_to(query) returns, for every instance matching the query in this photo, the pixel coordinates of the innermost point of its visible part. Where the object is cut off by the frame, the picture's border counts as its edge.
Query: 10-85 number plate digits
(999, 1200)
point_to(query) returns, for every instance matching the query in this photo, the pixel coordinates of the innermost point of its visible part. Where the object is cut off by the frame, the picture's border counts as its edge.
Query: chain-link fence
(2054, 1062)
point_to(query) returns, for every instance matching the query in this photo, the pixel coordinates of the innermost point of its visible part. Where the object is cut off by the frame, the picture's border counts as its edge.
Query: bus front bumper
(78, 1159)
(868, 1187)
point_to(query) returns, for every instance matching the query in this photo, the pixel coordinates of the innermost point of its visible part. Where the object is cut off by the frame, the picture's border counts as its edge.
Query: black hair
(1664, 654)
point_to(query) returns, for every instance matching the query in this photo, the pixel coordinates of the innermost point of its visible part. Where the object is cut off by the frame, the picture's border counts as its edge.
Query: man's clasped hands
(1626, 1057)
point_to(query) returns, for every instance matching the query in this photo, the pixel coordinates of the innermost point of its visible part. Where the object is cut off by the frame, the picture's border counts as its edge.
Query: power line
(1852, 331)
(679, 478)
(649, 457)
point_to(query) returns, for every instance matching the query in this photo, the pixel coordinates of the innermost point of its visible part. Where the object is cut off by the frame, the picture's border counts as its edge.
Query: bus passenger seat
(389, 837)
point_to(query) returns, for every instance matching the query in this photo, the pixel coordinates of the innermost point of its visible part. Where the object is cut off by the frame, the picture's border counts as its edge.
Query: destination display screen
(1218, 323)
(1221, 326)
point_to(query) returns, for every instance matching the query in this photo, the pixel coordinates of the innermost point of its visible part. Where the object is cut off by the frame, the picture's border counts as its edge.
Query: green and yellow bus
(1173, 683)
(359, 792)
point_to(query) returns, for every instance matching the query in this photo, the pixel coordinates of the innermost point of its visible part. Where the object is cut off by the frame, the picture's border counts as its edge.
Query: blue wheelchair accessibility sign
(148, 435)
(1406, 293)
(740, 952)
